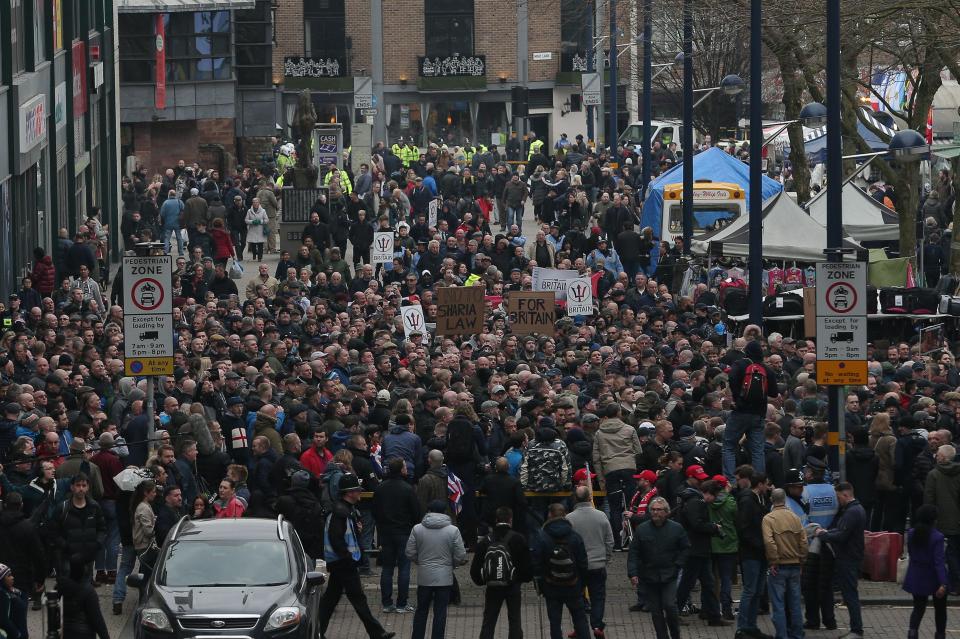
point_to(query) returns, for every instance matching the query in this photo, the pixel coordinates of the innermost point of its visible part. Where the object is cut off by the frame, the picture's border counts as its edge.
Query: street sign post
(841, 323)
(591, 88)
(148, 315)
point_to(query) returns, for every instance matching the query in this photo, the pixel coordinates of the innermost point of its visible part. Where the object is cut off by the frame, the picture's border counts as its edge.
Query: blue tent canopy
(713, 164)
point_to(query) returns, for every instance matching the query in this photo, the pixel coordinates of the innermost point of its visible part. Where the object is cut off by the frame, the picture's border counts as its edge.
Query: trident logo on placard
(383, 243)
(413, 321)
(578, 292)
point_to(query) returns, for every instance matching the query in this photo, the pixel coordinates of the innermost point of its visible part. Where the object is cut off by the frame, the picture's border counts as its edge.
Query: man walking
(594, 528)
(657, 553)
(560, 572)
(436, 546)
(502, 564)
(396, 510)
(845, 538)
(616, 447)
(751, 382)
(785, 543)
(341, 550)
(78, 528)
(751, 510)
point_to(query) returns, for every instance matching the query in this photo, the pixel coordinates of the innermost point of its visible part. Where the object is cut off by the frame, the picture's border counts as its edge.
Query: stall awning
(946, 152)
(173, 6)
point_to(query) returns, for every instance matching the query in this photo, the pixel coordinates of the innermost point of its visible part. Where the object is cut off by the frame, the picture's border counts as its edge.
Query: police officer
(342, 552)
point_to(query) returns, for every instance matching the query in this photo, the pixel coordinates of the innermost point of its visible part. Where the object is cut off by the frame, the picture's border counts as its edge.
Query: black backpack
(498, 568)
(755, 384)
(561, 568)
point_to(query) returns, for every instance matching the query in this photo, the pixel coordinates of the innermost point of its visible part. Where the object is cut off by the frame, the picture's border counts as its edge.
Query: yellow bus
(715, 205)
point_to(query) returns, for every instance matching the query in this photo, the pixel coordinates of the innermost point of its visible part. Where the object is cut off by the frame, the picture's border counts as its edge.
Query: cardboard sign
(460, 310)
(531, 312)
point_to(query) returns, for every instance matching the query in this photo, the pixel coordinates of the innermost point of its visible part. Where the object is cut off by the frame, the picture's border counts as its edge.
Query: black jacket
(502, 489)
(657, 553)
(750, 513)
(364, 469)
(78, 533)
(695, 518)
(737, 372)
(516, 545)
(305, 512)
(845, 535)
(395, 506)
(21, 550)
(341, 513)
(862, 467)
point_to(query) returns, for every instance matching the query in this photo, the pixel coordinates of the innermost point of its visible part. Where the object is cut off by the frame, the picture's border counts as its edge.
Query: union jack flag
(455, 492)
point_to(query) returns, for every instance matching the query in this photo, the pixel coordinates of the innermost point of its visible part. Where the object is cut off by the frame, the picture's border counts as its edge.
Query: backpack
(561, 568)
(498, 568)
(544, 466)
(753, 391)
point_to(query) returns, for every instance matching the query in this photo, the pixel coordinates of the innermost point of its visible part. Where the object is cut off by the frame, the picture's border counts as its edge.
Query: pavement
(886, 612)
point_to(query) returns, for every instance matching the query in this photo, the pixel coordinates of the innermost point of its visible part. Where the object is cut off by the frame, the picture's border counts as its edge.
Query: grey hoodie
(594, 527)
(436, 547)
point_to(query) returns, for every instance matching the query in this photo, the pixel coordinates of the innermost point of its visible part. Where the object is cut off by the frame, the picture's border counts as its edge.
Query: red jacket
(43, 277)
(222, 244)
(314, 462)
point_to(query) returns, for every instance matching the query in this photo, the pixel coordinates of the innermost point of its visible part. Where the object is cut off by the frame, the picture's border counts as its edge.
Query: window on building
(253, 40)
(575, 36)
(18, 38)
(80, 23)
(198, 46)
(326, 27)
(137, 53)
(38, 19)
(449, 27)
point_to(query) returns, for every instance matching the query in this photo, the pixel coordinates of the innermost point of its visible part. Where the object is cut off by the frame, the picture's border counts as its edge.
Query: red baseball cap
(648, 475)
(696, 472)
(721, 479)
(581, 475)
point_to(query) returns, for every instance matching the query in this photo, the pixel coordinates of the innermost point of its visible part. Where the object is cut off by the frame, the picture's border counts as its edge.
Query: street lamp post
(647, 94)
(612, 128)
(687, 137)
(755, 205)
(730, 85)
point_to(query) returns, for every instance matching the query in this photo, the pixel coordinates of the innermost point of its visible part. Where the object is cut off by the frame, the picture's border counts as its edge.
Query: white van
(663, 131)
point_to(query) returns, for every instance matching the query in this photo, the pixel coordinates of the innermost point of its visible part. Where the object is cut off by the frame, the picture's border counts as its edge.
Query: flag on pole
(929, 134)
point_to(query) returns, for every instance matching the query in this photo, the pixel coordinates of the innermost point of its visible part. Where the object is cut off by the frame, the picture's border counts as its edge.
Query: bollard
(52, 619)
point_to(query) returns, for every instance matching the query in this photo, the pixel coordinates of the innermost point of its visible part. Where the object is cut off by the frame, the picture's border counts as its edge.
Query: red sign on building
(79, 78)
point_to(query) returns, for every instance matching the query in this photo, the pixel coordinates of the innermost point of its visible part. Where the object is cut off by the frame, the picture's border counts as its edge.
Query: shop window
(137, 54)
(326, 28)
(197, 47)
(38, 23)
(449, 27)
(253, 42)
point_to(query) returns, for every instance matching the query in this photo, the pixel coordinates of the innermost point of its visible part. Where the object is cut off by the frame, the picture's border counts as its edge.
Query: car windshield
(224, 562)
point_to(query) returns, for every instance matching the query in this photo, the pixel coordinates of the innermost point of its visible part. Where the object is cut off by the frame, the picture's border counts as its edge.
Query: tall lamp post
(612, 134)
(647, 94)
(812, 114)
(730, 85)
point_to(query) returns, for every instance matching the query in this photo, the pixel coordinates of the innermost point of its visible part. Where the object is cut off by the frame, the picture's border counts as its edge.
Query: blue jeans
(620, 489)
(597, 593)
(726, 564)
(784, 591)
(107, 555)
(128, 558)
(165, 232)
(366, 535)
(846, 572)
(514, 215)
(440, 597)
(753, 573)
(572, 598)
(738, 424)
(393, 546)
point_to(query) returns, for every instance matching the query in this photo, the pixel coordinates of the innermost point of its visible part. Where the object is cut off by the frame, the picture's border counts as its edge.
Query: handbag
(148, 557)
(236, 270)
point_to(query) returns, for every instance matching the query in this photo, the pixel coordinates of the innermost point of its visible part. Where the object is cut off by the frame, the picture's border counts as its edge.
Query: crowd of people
(646, 429)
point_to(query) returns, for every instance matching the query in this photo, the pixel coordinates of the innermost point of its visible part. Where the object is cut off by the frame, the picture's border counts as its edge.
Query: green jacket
(943, 491)
(723, 511)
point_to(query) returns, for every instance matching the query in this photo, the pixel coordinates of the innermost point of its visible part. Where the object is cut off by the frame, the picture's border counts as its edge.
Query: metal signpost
(841, 336)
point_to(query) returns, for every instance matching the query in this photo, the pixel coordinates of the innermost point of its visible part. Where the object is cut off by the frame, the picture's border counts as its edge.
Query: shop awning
(172, 6)
(947, 152)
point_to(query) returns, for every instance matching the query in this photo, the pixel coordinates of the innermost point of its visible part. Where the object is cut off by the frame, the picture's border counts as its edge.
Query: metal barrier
(296, 214)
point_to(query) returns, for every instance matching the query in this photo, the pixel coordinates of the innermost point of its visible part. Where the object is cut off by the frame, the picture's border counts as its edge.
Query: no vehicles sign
(842, 323)
(146, 285)
(148, 340)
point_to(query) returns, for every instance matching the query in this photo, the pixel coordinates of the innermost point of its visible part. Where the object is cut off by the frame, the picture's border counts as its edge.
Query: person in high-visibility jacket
(398, 150)
(345, 184)
(535, 147)
(411, 154)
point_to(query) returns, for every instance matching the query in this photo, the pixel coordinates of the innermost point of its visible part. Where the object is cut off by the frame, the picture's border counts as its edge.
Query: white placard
(382, 250)
(553, 279)
(413, 320)
(579, 297)
(432, 211)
